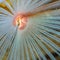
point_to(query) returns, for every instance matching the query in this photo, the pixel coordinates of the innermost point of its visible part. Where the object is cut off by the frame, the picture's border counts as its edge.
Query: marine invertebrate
(20, 20)
(29, 29)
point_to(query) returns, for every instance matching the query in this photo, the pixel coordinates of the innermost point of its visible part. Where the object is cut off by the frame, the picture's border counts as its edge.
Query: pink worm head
(20, 20)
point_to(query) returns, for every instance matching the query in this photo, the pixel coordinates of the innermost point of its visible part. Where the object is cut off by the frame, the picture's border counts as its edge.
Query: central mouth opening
(20, 20)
